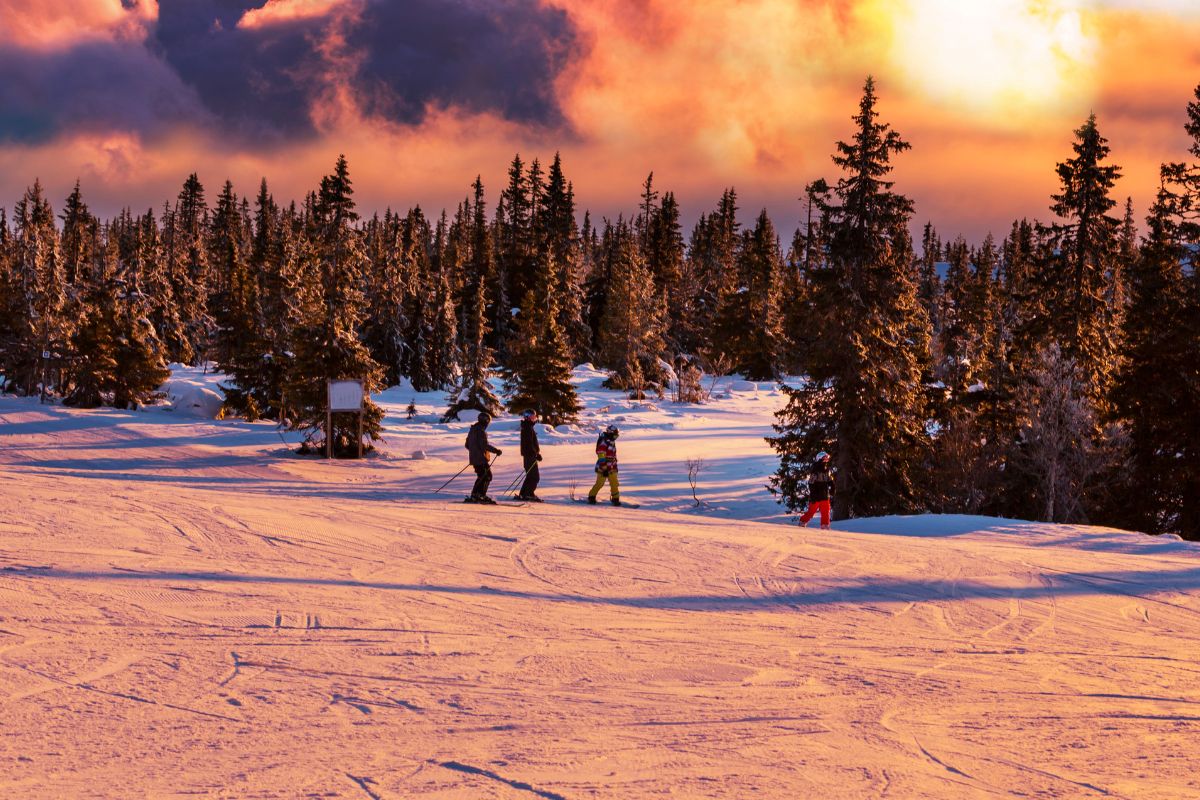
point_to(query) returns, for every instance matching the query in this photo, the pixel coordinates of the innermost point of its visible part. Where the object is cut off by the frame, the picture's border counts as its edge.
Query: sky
(130, 96)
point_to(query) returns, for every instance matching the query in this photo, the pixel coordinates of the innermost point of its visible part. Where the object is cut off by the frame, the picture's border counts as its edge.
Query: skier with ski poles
(606, 465)
(531, 454)
(477, 452)
(820, 490)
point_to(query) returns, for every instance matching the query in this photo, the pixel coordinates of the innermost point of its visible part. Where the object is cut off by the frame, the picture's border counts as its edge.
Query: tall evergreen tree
(748, 321)
(39, 287)
(1078, 273)
(121, 360)
(539, 372)
(630, 342)
(327, 345)
(474, 389)
(864, 396)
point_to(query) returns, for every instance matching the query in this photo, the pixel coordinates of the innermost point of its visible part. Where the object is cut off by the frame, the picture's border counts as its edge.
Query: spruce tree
(474, 390)
(863, 399)
(630, 340)
(748, 321)
(39, 285)
(539, 372)
(1077, 274)
(327, 345)
(120, 360)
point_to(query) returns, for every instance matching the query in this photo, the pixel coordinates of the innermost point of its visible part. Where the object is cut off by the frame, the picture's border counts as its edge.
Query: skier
(477, 451)
(531, 454)
(820, 489)
(606, 465)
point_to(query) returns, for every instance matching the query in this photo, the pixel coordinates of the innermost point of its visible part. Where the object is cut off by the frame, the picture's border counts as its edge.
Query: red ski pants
(813, 508)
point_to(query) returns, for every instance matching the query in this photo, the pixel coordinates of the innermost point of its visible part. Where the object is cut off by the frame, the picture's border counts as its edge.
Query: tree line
(1051, 374)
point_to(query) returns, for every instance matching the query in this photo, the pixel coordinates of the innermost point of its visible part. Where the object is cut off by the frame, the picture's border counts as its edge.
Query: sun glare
(1004, 60)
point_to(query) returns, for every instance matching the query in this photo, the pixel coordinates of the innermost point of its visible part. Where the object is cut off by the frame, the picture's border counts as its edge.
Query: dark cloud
(500, 56)
(93, 86)
(259, 85)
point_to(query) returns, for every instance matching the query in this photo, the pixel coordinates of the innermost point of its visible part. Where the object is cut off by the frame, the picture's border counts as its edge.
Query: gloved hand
(539, 457)
(499, 452)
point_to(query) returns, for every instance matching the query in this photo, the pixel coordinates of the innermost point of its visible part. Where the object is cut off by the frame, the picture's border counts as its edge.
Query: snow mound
(195, 400)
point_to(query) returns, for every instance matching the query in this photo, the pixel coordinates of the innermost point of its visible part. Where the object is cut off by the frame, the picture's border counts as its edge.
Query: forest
(1051, 374)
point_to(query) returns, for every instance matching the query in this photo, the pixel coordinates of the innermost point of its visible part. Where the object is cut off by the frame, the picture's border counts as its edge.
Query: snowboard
(624, 503)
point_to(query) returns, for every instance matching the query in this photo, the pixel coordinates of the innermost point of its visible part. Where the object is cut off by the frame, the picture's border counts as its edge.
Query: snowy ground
(188, 609)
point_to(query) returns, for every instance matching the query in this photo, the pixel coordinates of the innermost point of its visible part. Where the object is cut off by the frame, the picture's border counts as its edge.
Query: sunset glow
(423, 96)
(999, 60)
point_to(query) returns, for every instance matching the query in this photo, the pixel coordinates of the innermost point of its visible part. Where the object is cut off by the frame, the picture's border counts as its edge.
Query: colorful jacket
(606, 455)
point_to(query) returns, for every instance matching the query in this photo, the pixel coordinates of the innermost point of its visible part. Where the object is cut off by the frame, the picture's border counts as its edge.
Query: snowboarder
(477, 451)
(606, 465)
(820, 490)
(531, 454)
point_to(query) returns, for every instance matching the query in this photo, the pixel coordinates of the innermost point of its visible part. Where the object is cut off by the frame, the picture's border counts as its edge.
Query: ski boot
(591, 500)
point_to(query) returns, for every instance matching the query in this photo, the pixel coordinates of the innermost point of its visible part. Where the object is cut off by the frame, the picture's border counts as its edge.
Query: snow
(189, 608)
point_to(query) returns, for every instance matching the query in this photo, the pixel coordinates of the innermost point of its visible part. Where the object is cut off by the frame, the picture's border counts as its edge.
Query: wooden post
(360, 429)
(329, 433)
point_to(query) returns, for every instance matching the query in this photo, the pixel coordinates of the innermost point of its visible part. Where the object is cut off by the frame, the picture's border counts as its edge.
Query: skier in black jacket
(820, 490)
(477, 452)
(531, 454)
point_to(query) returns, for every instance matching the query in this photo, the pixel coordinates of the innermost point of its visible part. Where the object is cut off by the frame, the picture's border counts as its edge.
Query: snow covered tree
(1057, 437)
(187, 263)
(327, 345)
(474, 388)
(748, 320)
(630, 342)
(1077, 274)
(120, 360)
(38, 284)
(864, 398)
(558, 236)
(387, 326)
(539, 370)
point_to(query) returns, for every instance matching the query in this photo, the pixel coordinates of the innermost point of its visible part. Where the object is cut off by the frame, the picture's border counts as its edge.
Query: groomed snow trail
(185, 610)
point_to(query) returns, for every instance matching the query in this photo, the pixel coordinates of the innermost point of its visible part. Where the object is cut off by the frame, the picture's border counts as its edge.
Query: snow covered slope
(188, 609)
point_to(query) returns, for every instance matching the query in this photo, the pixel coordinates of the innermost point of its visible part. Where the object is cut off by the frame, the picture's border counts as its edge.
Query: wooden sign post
(344, 397)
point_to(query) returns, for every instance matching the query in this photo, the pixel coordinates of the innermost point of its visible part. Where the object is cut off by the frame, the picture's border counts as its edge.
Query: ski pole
(520, 477)
(447, 483)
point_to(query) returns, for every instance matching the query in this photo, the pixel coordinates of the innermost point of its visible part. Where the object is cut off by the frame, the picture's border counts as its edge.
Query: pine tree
(474, 389)
(864, 397)
(630, 341)
(1078, 274)
(388, 326)
(40, 293)
(187, 254)
(748, 321)
(120, 358)
(539, 372)
(558, 236)
(443, 329)
(327, 346)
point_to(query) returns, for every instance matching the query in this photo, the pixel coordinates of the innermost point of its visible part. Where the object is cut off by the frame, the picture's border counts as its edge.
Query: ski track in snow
(188, 608)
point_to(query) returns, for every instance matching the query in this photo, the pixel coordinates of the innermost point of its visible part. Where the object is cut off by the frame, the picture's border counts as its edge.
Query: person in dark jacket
(531, 454)
(477, 452)
(820, 490)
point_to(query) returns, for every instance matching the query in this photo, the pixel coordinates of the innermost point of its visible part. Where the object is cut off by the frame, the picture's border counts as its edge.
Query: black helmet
(484, 417)
(612, 431)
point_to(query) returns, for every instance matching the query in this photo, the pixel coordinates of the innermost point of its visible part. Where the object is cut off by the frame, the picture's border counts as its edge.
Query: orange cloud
(710, 94)
(279, 11)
